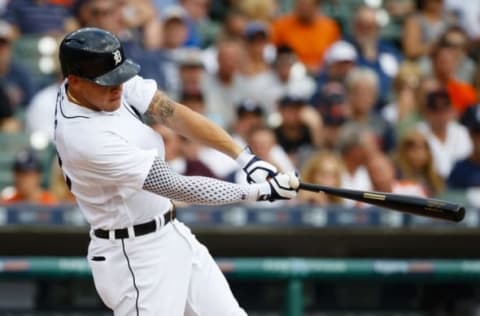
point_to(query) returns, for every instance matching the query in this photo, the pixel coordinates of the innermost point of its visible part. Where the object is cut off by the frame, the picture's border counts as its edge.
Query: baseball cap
(438, 100)
(189, 57)
(174, 12)
(27, 160)
(6, 31)
(249, 106)
(340, 51)
(292, 100)
(254, 29)
(471, 118)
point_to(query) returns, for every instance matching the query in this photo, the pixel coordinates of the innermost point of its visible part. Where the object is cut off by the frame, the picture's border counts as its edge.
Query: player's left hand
(257, 170)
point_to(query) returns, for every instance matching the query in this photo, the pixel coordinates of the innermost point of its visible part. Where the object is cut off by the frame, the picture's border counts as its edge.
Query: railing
(294, 270)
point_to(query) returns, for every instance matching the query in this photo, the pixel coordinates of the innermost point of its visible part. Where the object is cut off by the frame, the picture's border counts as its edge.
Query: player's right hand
(283, 186)
(257, 170)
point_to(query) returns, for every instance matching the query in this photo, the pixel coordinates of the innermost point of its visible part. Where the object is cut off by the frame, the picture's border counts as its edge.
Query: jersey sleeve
(139, 92)
(113, 160)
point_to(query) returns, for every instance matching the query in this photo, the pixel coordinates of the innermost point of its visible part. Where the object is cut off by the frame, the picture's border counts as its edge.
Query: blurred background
(364, 94)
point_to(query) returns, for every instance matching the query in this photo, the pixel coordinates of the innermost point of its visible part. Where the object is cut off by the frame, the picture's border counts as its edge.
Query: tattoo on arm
(161, 108)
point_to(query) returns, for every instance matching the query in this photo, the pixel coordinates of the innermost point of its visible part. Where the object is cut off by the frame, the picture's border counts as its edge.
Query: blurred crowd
(369, 95)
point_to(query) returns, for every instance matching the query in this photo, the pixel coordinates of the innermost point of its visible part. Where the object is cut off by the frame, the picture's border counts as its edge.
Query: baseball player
(143, 260)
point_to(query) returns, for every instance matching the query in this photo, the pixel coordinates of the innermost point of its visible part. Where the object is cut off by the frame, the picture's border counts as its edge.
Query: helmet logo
(117, 57)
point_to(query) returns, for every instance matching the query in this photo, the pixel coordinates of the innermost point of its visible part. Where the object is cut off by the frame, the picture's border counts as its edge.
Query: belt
(139, 230)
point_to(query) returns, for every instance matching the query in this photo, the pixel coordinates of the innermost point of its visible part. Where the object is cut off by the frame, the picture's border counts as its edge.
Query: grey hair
(351, 135)
(361, 74)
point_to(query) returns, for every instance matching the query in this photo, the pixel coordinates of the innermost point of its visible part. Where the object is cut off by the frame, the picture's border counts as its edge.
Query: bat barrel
(409, 204)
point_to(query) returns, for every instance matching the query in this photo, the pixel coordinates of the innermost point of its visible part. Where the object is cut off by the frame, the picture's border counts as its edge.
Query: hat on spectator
(27, 160)
(174, 12)
(190, 57)
(6, 31)
(254, 29)
(438, 100)
(340, 51)
(471, 118)
(249, 106)
(292, 100)
(331, 103)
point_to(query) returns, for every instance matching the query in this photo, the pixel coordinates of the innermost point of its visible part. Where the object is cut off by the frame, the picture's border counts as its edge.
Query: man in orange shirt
(444, 65)
(307, 32)
(27, 170)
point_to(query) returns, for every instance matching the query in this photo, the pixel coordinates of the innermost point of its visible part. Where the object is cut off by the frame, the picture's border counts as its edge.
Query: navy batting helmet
(96, 55)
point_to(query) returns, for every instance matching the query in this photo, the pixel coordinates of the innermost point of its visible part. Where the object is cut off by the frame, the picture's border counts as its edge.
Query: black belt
(140, 229)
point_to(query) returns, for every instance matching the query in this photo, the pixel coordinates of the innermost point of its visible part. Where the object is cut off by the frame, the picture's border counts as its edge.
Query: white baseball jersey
(106, 157)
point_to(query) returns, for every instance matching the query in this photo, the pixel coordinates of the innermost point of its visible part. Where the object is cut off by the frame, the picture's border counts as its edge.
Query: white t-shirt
(107, 156)
(457, 146)
(40, 112)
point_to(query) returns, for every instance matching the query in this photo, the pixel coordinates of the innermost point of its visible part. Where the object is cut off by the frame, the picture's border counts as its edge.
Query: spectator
(324, 168)
(222, 88)
(466, 15)
(457, 38)
(17, 80)
(355, 144)
(175, 29)
(362, 89)
(373, 52)
(414, 162)
(307, 31)
(27, 170)
(340, 58)
(190, 71)
(466, 173)
(290, 76)
(301, 126)
(38, 17)
(233, 26)
(448, 140)
(8, 121)
(141, 15)
(382, 174)
(334, 111)
(255, 73)
(105, 14)
(403, 112)
(423, 29)
(200, 29)
(249, 116)
(444, 64)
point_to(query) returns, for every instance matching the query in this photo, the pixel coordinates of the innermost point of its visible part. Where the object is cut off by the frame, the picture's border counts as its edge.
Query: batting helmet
(96, 55)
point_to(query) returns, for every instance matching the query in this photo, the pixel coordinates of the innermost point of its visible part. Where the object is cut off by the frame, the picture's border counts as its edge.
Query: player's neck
(71, 98)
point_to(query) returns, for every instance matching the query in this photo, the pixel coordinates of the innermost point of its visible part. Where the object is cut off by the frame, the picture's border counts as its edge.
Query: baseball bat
(404, 203)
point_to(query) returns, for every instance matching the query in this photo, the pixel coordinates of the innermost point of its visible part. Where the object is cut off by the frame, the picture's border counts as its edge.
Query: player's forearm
(198, 128)
(164, 181)
(191, 124)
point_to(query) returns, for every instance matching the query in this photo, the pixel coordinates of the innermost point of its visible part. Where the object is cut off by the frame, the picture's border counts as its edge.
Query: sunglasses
(411, 144)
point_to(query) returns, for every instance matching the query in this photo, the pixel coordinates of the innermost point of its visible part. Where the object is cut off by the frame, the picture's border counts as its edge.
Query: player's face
(94, 96)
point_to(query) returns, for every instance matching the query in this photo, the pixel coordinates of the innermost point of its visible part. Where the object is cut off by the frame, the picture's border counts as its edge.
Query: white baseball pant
(167, 272)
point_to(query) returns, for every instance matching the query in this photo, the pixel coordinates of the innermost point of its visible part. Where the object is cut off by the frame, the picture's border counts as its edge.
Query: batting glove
(283, 186)
(257, 170)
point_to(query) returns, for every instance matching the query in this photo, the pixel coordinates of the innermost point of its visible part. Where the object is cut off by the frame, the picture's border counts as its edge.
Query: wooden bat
(404, 203)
